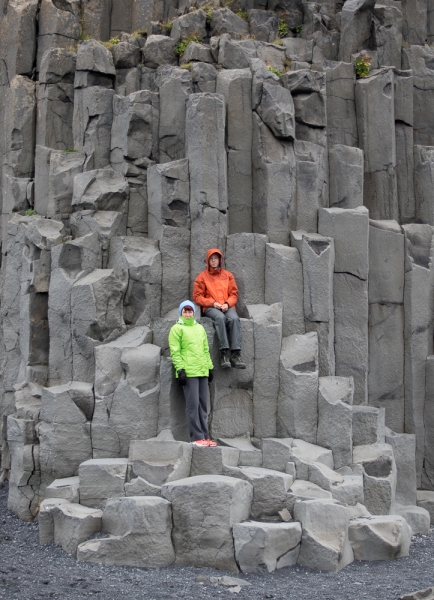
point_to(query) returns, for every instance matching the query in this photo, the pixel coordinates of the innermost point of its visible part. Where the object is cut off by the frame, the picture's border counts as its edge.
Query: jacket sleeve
(199, 291)
(206, 350)
(175, 348)
(232, 292)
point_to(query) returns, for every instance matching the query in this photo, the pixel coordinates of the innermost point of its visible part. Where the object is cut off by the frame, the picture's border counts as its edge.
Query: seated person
(216, 292)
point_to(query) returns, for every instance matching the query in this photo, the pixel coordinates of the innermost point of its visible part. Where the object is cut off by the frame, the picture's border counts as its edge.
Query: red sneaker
(201, 443)
(211, 443)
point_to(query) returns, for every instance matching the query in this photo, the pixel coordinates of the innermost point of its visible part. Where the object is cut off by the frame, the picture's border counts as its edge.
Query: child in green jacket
(189, 350)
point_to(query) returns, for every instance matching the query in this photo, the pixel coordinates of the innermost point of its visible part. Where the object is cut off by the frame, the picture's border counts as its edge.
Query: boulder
(418, 518)
(102, 478)
(379, 538)
(140, 534)
(205, 508)
(263, 547)
(324, 544)
(73, 524)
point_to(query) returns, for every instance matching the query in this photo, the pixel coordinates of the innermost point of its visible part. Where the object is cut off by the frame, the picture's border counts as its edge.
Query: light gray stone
(72, 403)
(379, 538)
(415, 22)
(140, 534)
(102, 189)
(312, 183)
(175, 263)
(193, 23)
(223, 20)
(208, 175)
(277, 110)
(388, 35)
(350, 491)
(46, 519)
(386, 262)
(417, 329)
(341, 107)
(355, 27)
(405, 172)
(260, 74)
(73, 524)
(213, 461)
(204, 77)
(235, 86)
(276, 453)
(324, 477)
(159, 50)
(418, 58)
(274, 178)
(141, 259)
(102, 478)
(404, 452)
(346, 176)
(267, 331)
(425, 499)
(297, 403)
(284, 283)
(304, 490)
(264, 25)
(168, 197)
(135, 128)
(159, 461)
(266, 546)
(62, 448)
(70, 261)
(368, 425)
(303, 454)
(335, 399)
(379, 477)
(197, 52)
(66, 488)
(317, 257)
(269, 489)
(245, 259)
(386, 362)
(423, 183)
(324, 544)
(224, 501)
(351, 331)
(417, 518)
(376, 126)
(249, 455)
(174, 86)
(93, 56)
(92, 123)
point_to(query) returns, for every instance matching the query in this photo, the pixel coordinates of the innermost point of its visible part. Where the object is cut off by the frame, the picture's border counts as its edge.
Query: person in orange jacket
(216, 291)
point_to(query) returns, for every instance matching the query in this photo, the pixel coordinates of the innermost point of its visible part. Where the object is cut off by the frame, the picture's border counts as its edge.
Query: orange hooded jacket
(215, 285)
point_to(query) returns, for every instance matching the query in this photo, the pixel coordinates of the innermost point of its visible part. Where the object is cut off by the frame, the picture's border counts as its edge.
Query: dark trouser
(196, 407)
(227, 326)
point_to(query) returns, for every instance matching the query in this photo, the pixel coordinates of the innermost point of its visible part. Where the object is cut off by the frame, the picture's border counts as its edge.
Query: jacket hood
(210, 252)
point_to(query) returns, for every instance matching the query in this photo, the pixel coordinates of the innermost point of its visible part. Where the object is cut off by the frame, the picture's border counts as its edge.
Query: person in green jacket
(189, 350)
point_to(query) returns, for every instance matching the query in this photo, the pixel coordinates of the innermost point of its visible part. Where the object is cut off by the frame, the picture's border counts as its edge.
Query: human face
(187, 312)
(214, 260)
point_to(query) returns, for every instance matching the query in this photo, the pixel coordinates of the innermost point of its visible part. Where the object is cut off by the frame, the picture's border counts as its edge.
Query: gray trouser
(227, 326)
(196, 407)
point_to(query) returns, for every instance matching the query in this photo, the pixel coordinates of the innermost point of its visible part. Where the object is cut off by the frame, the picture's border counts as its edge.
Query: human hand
(225, 307)
(210, 376)
(217, 305)
(182, 377)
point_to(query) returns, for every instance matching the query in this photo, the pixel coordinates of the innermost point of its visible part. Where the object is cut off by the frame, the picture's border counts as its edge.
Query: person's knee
(218, 317)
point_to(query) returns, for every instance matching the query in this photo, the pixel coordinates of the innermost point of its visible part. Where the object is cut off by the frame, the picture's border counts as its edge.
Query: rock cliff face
(297, 137)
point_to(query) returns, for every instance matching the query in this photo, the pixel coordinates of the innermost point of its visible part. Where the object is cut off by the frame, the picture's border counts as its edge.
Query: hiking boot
(201, 443)
(224, 359)
(236, 361)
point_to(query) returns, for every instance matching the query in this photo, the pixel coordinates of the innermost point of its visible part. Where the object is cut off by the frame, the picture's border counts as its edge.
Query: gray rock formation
(134, 136)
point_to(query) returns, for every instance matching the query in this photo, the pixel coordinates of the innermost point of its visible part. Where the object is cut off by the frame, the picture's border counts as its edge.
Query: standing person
(193, 366)
(216, 292)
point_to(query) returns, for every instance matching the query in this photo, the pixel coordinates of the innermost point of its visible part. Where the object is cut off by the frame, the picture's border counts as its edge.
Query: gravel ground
(31, 571)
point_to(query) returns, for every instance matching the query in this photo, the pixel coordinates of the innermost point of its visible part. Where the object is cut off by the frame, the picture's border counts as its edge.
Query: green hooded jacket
(189, 348)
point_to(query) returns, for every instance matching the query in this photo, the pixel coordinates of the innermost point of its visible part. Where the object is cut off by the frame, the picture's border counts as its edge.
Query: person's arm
(232, 292)
(206, 350)
(199, 291)
(175, 349)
